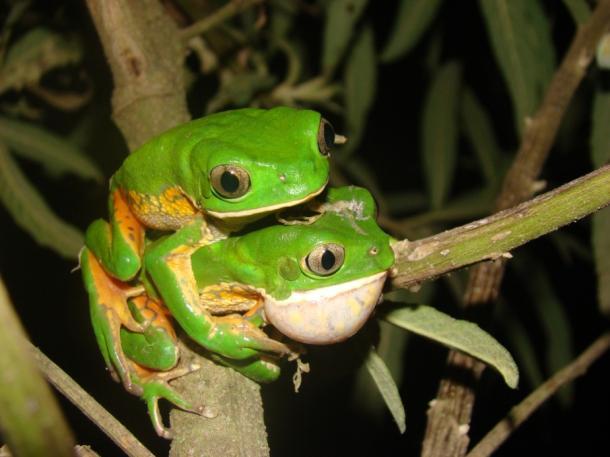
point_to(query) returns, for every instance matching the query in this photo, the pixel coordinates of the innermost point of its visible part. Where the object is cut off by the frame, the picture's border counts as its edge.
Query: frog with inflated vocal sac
(316, 282)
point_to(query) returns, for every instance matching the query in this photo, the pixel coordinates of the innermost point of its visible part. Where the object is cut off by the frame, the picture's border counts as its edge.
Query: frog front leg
(168, 263)
(111, 257)
(154, 356)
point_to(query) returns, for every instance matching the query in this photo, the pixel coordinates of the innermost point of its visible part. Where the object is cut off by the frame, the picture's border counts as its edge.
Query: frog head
(255, 161)
(320, 279)
(342, 259)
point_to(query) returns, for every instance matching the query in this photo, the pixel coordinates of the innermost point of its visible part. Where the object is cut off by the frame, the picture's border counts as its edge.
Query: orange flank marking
(168, 211)
(227, 298)
(131, 229)
(154, 313)
(111, 293)
(143, 372)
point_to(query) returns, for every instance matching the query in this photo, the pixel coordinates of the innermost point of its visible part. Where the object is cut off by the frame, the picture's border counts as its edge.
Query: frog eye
(325, 259)
(230, 181)
(326, 137)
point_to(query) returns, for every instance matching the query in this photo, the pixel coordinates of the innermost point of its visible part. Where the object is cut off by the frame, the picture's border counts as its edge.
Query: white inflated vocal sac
(326, 315)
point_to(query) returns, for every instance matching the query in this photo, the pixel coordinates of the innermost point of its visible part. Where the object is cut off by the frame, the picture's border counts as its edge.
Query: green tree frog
(202, 180)
(315, 280)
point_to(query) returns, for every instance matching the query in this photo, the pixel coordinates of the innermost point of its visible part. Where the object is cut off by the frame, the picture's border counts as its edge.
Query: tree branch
(145, 52)
(524, 410)
(452, 408)
(218, 17)
(493, 237)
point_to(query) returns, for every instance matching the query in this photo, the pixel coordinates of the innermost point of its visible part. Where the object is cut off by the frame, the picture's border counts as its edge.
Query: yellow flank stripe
(229, 297)
(169, 210)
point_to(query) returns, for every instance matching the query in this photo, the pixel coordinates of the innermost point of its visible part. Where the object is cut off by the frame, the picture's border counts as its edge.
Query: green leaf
(282, 18)
(467, 206)
(360, 83)
(521, 344)
(457, 334)
(406, 202)
(32, 214)
(600, 154)
(601, 249)
(440, 132)
(602, 54)
(341, 16)
(479, 132)
(387, 387)
(522, 43)
(552, 317)
(37, 52)
(579, 10)
(52, 151)
(17, 9)
(412, 20)
(600, 140)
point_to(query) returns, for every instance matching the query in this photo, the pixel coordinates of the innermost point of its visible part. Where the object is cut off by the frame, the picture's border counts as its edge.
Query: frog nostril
(282, 177)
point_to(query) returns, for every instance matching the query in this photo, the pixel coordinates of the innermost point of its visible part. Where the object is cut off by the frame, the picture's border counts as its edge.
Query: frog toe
(153, 391)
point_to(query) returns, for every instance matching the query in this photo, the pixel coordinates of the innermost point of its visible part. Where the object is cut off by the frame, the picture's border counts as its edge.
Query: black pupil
(229, 182)
(328, 260)
(329, 135)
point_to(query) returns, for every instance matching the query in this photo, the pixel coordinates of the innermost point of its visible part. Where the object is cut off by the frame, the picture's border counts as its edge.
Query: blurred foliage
(433, 119)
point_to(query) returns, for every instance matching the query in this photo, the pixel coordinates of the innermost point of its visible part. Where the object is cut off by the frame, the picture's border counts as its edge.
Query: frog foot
(236, 334)
(109, 313)
(155, 386)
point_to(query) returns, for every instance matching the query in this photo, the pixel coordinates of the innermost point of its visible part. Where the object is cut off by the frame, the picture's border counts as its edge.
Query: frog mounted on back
(201, 180)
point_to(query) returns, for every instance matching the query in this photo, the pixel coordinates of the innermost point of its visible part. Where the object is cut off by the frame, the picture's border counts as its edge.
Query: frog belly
(327, 315)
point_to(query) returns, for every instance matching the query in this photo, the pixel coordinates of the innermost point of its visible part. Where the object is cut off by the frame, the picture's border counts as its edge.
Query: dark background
(325, 417)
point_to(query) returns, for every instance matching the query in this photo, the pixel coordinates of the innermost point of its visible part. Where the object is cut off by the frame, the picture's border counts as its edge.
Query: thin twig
(89, 406)
(454, 401)
(523, 410)
(218, 17)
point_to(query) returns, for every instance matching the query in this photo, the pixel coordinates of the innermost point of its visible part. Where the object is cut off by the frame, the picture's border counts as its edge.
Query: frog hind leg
(117, 245)
(262, 369)
(169, 264)
(155, 386)
(154, 355)
(109, 313)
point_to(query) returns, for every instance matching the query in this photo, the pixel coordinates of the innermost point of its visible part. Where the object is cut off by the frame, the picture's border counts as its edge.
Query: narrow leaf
(33, 55)
(521, 39)
(479, 132)
(552, 318)
(439, 136)
(32, 214)
(601, 249)
(600, 154)
(387, 388)
(281, 18)
(341, 16)
(52, 151)
(457, 334)
(579, 10)
(412, 20)
(600, 140)
(602, 55)
(522, 345)
(360, 83)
